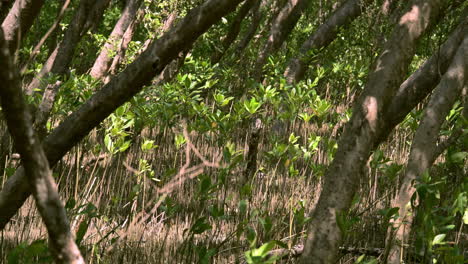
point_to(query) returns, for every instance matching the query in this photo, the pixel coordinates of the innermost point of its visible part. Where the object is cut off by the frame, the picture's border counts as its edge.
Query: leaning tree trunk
(119, 90)
(19, 20)
(280, 30)
(255, 22)
(322, 37)
(52, 32)
(36, 166)
(102, 64)
(119, 57)
(57, 63)
(282, 26)
(421, 83)
(234, 30)
(359, 138)
(424, 149)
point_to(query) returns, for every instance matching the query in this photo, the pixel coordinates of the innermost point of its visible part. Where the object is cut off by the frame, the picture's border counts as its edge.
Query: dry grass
(108, 182)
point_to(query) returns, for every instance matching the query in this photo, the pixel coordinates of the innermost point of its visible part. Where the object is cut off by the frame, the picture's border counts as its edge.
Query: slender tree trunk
(36, 166)
(170, 69)
(274, 7)
(256, 18)
(102, 64)
(119, 90)
(119, 57)
(280, 30)
(52, 31)
(58, 61)
(19, 20)
(359, 138)
(234, 30)
(424, 149)
(54, 34)
(421, 83)
(322, 37)
(254, 141)
(45, 107)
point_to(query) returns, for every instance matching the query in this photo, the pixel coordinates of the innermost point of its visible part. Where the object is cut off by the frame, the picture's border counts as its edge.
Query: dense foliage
(213, 164)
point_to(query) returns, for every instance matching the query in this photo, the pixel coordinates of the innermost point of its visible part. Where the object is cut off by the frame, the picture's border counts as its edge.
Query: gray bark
(282, 26)
(19, 20)
(234, 30)
(359, 138)
(166, 74)
(45, 107)
(424, 148)
(256, 18)
(119, 90)
(421, 83)
(102, 64)
(52, 31)
(57, 63)
(36, 166)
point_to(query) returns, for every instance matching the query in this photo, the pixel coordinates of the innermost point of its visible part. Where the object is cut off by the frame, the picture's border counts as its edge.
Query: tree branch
(119, 90)
(35, 162)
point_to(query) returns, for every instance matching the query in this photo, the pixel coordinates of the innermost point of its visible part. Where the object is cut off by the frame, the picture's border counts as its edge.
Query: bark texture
(359, 138)
(45, 107)
(36, 166)
(424, 148)
(233, 30)
(102, 64)
(19, 20)
(256, 18)
(282, 26)
(170, 69)
(51, 32)
(122, 50)
(254, 141)
(421, 83)
(119, 90)
(88, 12)
(322, 37)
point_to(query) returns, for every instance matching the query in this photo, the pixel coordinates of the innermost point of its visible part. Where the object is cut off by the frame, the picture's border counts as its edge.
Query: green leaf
(458, 157)
(82, 229)
(109, 144)
(205, 185)
(293, 139)
(148, 145)
(360, 259)
(306, 117)
(200, 226)
(438, 239)
(37, 247)
(242, 207)
(259, 255)
(125, 146)
(252, 106)
(221, 99)
(251, 236)
(180, 140)
(263, 250)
